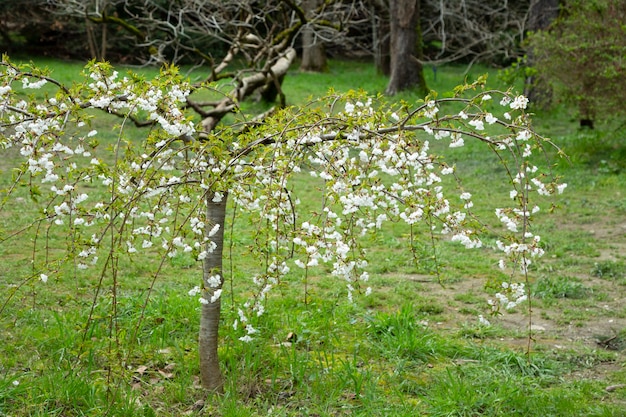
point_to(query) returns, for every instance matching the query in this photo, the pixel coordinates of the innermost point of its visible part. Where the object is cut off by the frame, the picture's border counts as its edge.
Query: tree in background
(469, 31)
(541, 14)
(198, 32)
(380, 44)
(445, 31)
(313, 50)
(405, 48)
(488, 31)
(581, 56)
(28, 27)
(190, 31)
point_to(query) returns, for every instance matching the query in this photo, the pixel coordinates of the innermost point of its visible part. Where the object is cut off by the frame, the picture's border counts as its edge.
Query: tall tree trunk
(406, 47)
(380, 37)
(540, 15)
(313, 51)
(210, 373)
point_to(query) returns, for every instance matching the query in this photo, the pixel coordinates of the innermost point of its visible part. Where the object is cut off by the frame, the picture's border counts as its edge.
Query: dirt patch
(610, 237)
(593, 321)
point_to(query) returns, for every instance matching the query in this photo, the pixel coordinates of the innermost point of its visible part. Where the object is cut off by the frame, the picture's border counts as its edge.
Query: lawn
(82, 345)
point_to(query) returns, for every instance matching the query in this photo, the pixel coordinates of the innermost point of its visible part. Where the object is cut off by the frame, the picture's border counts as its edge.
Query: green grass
(412, 348)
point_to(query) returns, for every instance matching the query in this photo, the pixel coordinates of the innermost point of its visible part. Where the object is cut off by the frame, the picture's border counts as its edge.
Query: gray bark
(208, 338)
(313, 51)
(406, 70)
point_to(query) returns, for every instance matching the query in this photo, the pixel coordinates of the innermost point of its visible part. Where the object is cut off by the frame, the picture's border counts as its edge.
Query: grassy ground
(413, 348)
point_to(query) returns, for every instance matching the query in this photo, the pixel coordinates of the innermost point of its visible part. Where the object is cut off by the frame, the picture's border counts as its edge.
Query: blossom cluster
(59, 148)
(510, 296)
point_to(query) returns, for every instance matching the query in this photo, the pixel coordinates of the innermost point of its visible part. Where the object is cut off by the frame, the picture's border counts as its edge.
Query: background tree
(487, 31)
(380, 36)
(406, 70)
(470, 31)
(580, 56)
(313, 50)
(194, 31)
(541, 14)
(28, 27)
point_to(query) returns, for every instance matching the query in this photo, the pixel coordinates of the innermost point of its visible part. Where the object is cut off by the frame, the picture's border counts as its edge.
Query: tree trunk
(273, 90)
(586, 113)
(540, 16)
(210, 373)
(313, 52)
(406, 47)
(380, 37)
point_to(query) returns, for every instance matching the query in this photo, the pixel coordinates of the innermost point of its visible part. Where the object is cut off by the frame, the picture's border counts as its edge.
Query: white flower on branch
(519, 103)
(490, 118)
(34, 85)
(457, 141)
(477, 123)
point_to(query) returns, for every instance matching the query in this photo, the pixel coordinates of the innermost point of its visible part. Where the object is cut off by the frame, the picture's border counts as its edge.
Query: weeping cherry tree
(171, 192)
